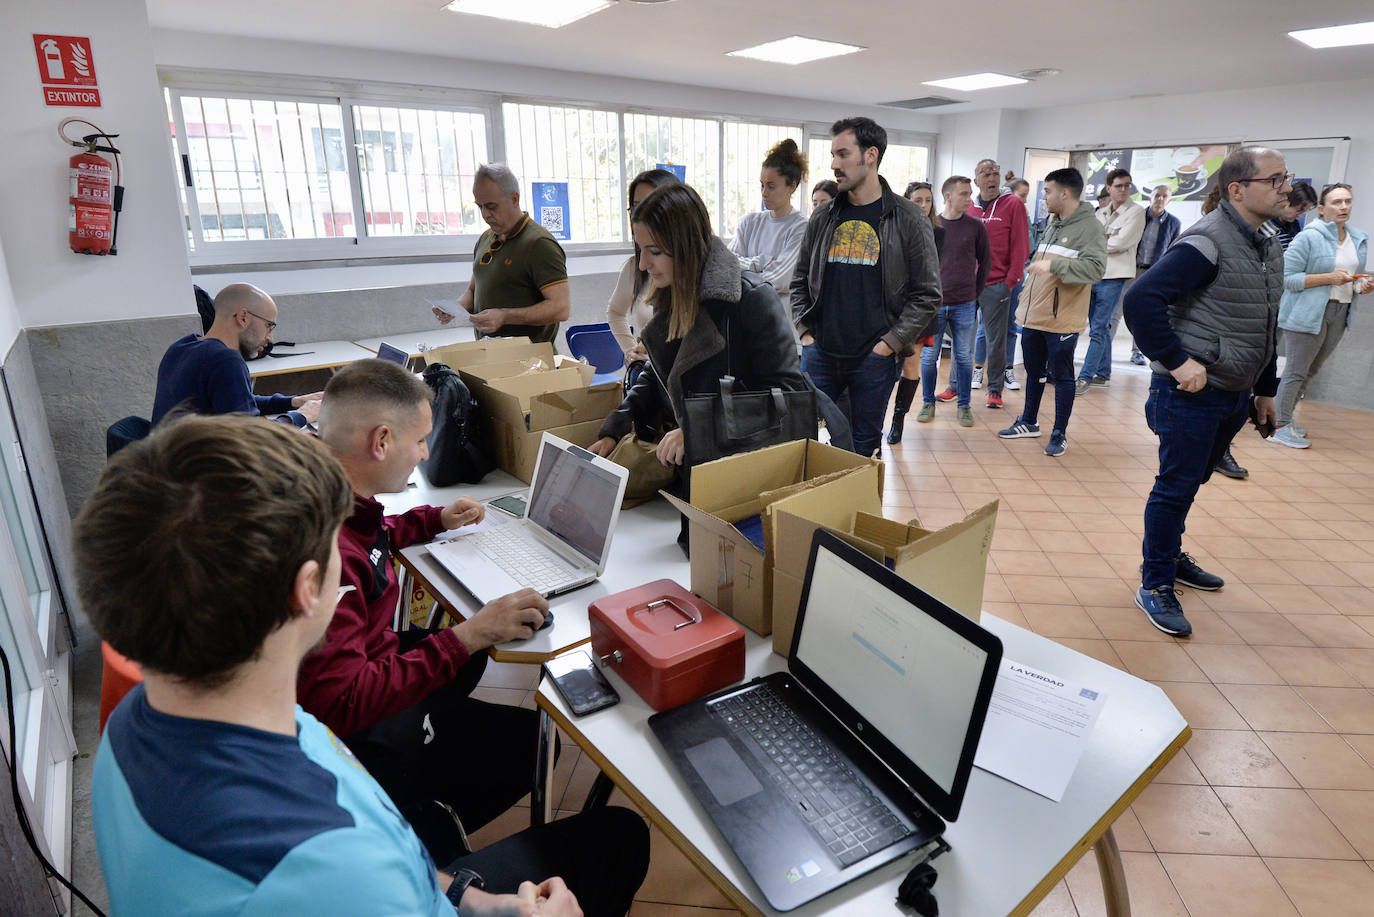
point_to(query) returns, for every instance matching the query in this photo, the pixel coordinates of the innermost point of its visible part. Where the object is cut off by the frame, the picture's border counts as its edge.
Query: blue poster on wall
(551, 207)
(679, 170)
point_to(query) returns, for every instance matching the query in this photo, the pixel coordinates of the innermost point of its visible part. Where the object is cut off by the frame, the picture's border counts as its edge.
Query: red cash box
(668, 644)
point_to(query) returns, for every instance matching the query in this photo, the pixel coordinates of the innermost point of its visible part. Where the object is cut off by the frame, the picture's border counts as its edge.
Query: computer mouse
(548, 621)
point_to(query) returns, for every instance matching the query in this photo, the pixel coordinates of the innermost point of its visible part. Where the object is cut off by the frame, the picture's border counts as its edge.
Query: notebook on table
(854, 756)
(563, 539)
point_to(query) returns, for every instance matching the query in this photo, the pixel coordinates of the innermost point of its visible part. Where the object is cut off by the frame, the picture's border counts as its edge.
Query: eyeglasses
(990, 170)
(492, 249)
(266, 321)
(1277, 181)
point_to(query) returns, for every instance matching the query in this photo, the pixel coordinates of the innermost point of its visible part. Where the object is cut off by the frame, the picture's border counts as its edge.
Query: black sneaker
(1187, 572)
(1228, 466)
(1162, 608)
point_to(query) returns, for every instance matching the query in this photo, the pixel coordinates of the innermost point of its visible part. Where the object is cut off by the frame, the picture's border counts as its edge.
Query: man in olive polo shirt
(519, 281)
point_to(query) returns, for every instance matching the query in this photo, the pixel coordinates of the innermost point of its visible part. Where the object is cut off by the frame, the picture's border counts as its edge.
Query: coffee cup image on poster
(1189, 172)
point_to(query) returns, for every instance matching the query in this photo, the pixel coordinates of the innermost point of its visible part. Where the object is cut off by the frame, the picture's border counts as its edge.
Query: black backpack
(459, 452)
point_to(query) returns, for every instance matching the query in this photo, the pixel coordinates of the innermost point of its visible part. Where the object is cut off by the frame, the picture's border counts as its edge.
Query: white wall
(966, 138)
(52, 285)
(10, 324)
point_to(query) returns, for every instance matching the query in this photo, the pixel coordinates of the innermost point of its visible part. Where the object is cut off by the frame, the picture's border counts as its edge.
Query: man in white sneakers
(1123, 220)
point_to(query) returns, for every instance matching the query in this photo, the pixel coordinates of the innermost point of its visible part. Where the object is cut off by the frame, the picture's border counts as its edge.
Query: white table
(307, 356)
(417, 342)
(1009, 847)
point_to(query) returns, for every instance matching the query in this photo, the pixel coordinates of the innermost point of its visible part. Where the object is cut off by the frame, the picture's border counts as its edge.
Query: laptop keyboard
(528, 562)
(837, 806)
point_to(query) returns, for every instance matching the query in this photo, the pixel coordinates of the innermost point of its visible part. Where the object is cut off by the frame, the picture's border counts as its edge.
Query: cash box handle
(692, 616)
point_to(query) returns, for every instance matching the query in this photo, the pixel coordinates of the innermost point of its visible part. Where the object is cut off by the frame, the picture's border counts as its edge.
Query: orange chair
(117, 677)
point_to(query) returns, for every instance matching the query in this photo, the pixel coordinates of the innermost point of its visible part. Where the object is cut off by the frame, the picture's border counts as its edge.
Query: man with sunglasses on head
(208, 375)
(1206, 315)
(519, 285)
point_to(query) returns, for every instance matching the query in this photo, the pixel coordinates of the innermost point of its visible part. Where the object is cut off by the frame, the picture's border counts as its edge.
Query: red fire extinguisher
(95, 196)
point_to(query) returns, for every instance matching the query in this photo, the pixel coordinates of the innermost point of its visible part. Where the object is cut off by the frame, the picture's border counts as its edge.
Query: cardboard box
(487, 350)
(518, 416)
(805, 478)
(950, 563)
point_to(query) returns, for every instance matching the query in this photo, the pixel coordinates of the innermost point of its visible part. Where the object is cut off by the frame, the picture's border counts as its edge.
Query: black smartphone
(510, 503)
(580, 682)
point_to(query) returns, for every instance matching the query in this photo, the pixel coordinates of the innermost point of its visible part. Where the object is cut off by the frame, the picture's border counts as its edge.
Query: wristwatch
(464, 879)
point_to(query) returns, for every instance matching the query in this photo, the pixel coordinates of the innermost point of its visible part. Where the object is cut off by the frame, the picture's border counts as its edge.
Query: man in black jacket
(867, 282)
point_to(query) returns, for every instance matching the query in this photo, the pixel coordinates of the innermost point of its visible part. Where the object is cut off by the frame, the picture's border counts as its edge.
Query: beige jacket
(626, 310)
(1124, 229)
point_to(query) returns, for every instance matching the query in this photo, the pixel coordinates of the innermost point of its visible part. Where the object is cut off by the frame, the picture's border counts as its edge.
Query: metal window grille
(694, 143)
(743, 150)
(580, 146)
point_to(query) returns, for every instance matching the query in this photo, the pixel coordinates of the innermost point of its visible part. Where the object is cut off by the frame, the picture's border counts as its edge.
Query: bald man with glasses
(208, 375)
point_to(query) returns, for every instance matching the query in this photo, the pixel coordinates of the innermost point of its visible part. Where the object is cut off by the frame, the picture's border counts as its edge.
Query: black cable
(18, 802)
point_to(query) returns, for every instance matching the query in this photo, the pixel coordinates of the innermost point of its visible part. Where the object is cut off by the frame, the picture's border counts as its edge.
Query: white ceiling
(1135, 49)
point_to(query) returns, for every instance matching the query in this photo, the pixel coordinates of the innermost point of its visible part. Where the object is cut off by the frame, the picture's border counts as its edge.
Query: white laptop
(564, 538)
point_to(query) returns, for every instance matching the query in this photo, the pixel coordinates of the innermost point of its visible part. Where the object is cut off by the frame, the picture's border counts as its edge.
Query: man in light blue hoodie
(1323, 276)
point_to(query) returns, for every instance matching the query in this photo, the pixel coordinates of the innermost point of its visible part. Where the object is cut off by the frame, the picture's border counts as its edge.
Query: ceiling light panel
(796, 49)
(1337, 36)
(551, 14)
(976, 81)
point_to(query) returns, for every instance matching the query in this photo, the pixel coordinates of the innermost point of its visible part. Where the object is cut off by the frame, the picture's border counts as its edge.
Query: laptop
(562, 541)
(854, 755)
(395, 354)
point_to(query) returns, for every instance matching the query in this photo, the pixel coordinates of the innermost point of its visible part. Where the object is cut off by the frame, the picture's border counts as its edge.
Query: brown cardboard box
(727, 569)
(950, 563)
(487, 350)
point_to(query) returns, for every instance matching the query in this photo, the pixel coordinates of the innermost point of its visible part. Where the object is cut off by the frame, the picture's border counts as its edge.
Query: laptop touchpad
(725, 773)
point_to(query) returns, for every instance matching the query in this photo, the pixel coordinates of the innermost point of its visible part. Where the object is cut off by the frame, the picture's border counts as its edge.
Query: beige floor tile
(1058, 903)
(1275, 708)
(1203, 705)
(1227, 664)
(1188, 819)
(1060, 621)
(1181, 770)
(1101, 650)
(1236, 758)
(672, 878)
(1325, 888)
(1352, 812)
(1358, 662)
(510, 675)
(1043, 590)
(1284, 823)
(1319, 761)
(1208, 628)
(1157, 661)
(1213, 886)
(1306, 665)
(1265, 629)
(656, 909)
(1333, 630)
(1150, 889)
(1129, 834)
(1346, 709)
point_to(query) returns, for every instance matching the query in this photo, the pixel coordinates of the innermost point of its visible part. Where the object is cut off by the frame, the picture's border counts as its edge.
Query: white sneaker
(1009, 379)
(977, 377)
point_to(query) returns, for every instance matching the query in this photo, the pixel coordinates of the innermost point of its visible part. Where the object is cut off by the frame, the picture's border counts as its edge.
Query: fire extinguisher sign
(67, 70)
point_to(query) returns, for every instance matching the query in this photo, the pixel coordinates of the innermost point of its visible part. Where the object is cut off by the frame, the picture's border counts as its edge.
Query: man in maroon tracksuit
(400, 700)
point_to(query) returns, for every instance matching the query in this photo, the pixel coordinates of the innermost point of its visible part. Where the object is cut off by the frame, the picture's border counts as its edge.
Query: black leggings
(1041, 349)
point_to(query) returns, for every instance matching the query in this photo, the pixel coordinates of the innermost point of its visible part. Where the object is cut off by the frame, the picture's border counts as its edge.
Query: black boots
(906, 391)
(1228, 466)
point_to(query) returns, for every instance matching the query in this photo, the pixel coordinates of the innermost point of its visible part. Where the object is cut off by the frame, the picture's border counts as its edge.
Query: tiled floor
(1269, 810)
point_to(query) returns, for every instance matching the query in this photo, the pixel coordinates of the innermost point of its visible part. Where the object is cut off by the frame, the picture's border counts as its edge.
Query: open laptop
(563, 539)
(825, 772)
(386, 351)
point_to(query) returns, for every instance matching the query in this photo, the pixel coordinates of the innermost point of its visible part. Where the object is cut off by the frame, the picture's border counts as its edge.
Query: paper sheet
(1037, 727)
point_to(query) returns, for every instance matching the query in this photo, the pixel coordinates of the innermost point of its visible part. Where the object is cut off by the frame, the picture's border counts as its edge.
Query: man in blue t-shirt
(213, 793)
(208, 375)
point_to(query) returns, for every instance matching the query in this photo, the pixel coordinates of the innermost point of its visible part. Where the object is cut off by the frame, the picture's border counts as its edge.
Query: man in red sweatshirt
(400, 700)
(1004, 217)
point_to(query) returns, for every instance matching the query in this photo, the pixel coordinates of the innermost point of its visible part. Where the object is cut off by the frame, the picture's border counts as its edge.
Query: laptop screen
(574, 499)
(919, 677)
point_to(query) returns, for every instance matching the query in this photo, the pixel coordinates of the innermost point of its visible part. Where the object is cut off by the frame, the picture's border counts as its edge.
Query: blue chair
(124, 431)
(599, 347)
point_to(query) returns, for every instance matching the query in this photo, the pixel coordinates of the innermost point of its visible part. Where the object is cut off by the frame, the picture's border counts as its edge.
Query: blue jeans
(959, 320)
(1106, 294)
(980, 343)
(868, 380)
(1194, 430)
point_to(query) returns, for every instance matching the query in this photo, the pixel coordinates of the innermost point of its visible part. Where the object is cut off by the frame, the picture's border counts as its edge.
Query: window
(743, 150)
(580, 146)
(903, 163)
(693, 143)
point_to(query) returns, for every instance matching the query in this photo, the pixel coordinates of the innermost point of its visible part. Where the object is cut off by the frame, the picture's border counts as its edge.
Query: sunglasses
(492, 249)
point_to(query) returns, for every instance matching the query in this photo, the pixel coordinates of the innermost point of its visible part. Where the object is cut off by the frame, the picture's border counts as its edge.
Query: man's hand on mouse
(512, 617)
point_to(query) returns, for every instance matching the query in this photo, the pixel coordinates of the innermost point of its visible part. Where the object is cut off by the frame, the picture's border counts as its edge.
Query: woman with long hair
(767, 240)
(710, 319)
(628, 311)
(823, 192)
(920, 194)
(1323, 278)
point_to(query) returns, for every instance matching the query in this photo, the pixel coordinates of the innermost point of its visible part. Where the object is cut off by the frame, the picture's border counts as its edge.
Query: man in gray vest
(1205, 314)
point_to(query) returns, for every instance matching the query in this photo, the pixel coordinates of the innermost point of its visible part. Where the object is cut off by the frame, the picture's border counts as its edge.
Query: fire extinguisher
(95, 196)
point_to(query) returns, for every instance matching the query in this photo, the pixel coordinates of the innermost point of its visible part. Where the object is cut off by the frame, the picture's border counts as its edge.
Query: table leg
(1114, 891)
(541, 793)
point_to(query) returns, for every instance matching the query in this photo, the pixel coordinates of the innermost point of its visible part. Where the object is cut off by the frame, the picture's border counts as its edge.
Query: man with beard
(208, 375)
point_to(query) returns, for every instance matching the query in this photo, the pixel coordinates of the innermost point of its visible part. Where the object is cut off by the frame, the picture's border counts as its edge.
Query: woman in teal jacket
(1323, 276)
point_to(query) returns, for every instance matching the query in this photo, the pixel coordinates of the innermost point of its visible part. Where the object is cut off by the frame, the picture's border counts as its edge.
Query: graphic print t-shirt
(852, 316)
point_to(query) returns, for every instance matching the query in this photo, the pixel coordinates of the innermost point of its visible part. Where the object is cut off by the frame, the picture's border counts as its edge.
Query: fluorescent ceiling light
(976, 81)
(795, 49)
(551, 14)
(1337, 36)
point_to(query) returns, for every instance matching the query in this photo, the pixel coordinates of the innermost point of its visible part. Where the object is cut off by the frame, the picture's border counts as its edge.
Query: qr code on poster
(551, 218)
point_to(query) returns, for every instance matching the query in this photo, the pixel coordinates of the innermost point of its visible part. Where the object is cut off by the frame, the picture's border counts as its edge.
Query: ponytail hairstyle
(1213, 199)
(680, 225)
(788, 161)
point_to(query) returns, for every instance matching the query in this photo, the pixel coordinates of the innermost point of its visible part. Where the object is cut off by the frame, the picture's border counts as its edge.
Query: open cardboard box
(486, 350)
(950, 563)
(806, 478)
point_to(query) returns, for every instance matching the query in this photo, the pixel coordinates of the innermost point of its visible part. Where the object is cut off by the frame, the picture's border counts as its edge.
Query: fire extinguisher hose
(89, 143)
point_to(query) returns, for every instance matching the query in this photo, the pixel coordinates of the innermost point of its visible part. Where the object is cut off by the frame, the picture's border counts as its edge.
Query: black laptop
(851, 758)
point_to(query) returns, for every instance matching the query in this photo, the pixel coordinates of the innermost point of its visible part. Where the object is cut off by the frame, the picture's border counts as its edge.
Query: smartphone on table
(580, 682)
(510, 503)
